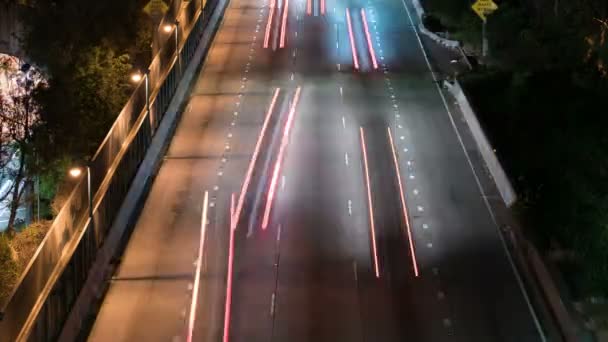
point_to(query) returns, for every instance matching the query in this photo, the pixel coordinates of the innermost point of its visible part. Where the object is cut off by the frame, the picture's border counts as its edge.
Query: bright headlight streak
(370, 204)
(228, 302)
(352, 41)
(369, 40)
(406, 217)
(269, 24)
(197, 275)
(284, 23)
(256, 152)
(277, 167)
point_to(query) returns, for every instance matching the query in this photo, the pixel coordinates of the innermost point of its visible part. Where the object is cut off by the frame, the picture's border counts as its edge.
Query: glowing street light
(167, 28)
(136, 77)
(75, 172)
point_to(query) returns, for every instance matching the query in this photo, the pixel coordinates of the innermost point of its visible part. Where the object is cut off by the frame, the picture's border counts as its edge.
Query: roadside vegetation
(542, 96)
(86, 51)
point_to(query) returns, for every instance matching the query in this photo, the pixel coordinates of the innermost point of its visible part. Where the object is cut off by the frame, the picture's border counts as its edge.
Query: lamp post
(168, 28)
(179, 55)
(75, 173)
(137, 77)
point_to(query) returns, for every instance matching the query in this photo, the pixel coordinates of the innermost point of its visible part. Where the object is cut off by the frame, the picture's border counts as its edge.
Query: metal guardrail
(52, 280)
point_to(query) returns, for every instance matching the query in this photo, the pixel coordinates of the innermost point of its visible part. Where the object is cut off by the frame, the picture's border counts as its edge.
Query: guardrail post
(177, 52)
(150, 116)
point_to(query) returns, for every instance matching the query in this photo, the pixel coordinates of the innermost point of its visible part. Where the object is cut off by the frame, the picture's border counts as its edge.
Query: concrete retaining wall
(498, 174)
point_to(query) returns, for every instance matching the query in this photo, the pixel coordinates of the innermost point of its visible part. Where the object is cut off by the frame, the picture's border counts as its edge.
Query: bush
(8, 269)
(25, 242)
(16, 253)
(552, 142)
(433, 24)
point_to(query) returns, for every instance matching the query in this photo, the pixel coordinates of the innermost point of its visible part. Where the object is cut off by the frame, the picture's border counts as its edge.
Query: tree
(18, 121)
(79, 107)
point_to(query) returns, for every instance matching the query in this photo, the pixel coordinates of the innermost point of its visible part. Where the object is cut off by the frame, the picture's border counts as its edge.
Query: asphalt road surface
(357, 215)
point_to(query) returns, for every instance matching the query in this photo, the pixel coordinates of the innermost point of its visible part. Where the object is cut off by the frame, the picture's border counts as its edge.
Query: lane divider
(370, 46)
(370, 204)
(197, 275)
(353, 48)
(279, 161)
(406, 217)
(254, 157)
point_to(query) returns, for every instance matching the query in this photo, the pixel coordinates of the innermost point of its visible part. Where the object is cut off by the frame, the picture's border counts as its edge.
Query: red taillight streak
(256, 152)
(309, 7)
(352, 40)
(369, 40)
(269, 24)
(229, 276)
(370, 204)
(322, 7)
(406, 217)
(277, 167)
(231, 209)
(284, 23)
(197, 276)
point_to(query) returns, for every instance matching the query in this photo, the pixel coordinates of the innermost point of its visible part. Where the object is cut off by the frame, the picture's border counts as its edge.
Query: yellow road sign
(483, 8)
(156, 8)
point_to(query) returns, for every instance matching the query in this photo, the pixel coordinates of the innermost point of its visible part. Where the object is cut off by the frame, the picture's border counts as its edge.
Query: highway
(317, 174)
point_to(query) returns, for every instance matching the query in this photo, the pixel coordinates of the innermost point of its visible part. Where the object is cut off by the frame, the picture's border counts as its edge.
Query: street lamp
(167, 28)
(75, 172)
(136, 77)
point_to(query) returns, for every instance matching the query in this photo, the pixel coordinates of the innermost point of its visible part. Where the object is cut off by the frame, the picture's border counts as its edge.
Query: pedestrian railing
(51, 282)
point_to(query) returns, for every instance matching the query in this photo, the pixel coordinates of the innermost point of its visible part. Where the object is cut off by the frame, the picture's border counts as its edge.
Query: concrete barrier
(100, 271)
(452, 44)
(487, 152)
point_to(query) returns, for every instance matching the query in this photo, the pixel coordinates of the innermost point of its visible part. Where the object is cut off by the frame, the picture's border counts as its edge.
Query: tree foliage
(19, 118)
(87, 48)
(542, 98)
